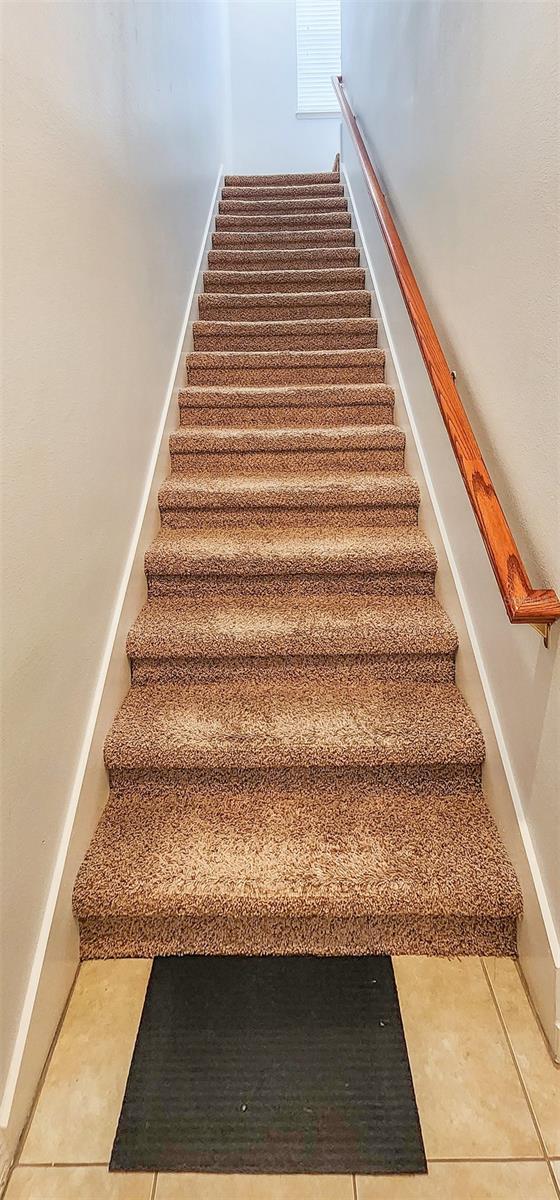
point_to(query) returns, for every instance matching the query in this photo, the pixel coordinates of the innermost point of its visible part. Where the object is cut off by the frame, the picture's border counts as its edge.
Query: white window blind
(318, 54)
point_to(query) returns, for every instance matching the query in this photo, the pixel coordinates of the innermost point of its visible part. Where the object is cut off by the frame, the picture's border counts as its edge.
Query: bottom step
(323, 862)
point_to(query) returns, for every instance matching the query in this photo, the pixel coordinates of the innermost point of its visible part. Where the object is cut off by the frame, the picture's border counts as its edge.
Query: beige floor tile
(79, 1104)
(541, 1077)
(254, 1187)
(464, 1181)
(556, 1169)
(469, 1096)
(76, 1183)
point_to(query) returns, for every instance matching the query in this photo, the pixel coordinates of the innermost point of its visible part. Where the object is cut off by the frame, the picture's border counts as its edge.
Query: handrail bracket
(542, 627)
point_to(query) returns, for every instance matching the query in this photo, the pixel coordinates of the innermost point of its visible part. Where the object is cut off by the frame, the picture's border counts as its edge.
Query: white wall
(459, 105)
(266, 136)
(113, 121)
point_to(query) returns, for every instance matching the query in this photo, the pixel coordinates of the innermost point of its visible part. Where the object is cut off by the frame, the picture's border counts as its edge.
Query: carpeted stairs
(293, 769)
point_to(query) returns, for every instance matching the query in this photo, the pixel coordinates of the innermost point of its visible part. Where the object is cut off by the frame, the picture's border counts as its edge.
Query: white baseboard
(5, 1159)
(539, 949)
(56, 955)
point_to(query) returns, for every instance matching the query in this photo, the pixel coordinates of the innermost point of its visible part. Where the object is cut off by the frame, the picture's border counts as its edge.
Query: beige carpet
(293, 769)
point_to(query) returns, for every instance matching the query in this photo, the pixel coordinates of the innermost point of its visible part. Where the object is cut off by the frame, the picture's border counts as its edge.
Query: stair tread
(198, 439)
(284, 204)
(224, 259)
(308, 238)
(291, 358)
(330, 303)
(333, 276)
(266, 299)
(284, 177)
(292, 550)
(262, 395)
(290, 191)
(306, 327)
(270, 333)
(289, 489)
(312, 851)
(171, 626)
(293, 221)
(175, 726)
(289, 364)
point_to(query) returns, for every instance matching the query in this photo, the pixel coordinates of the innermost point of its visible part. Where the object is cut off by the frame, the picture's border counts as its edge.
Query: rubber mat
(270, 1065)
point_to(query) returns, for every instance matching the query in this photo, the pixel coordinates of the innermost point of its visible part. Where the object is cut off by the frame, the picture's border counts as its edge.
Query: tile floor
(487, 1091)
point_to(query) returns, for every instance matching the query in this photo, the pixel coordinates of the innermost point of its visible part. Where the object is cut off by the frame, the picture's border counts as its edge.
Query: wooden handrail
(524, 604)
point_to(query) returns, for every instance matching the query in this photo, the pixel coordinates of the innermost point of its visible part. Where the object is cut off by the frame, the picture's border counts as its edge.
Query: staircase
(293, 769)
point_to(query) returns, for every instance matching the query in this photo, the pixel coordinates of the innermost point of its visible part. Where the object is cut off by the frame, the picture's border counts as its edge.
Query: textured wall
(459, 104)
(113, 118)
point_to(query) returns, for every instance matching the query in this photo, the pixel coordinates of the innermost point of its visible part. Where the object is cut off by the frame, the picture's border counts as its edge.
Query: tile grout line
(520, 1076)
(154, 1186)
(58, 1165)
(430, 1159)
(513, 1055)
(513, 1159)
(16, 1162)
(354, 1187)
(555, 1182)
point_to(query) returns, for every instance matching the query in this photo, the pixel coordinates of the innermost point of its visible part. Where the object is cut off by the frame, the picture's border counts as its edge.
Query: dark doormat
(273, 1066)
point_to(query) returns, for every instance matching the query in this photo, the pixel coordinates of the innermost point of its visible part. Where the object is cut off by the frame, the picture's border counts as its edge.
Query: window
(318, 55)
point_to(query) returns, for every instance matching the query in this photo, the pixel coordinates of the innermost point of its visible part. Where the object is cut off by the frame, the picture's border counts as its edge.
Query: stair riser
(340, 339)
(288, 396)
(286, 240)
(305, 191)
(280, 417)
(199, 586)
(279, 518)
(267, 377)
(284, 462)
(283, 260)
(435, 777)
(332, 325)
(325, 671)
(279, 221)
(282, 180)
(201, 787)
(294, 207)
(299, 307)
(260, 282)
(148, 937)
